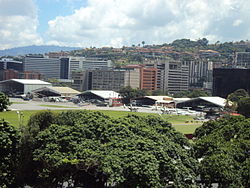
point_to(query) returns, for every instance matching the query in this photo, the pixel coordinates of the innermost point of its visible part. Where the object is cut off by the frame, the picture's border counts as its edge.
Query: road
(20, 104)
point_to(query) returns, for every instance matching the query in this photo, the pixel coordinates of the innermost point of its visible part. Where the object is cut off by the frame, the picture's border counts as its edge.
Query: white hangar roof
(30, 82)
(105, 94)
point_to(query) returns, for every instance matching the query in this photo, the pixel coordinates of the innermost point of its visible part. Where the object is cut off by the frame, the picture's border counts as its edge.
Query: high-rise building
(148, 76)
(64, 68)
(48, 67)
(176, 76)
(95, 63)
(200, 73)
(8, 63)
(242, 59)
(106, 79)
(172, 76)
(68, 65)
(80, 80)
(227, 80)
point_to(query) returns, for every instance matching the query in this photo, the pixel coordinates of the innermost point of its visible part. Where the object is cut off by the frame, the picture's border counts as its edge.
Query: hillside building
(242, 59)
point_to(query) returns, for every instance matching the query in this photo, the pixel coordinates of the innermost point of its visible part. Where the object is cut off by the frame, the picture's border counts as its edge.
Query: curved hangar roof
(54, 91)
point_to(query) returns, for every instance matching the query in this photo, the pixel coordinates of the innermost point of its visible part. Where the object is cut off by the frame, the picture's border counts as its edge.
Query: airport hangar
(22, 86)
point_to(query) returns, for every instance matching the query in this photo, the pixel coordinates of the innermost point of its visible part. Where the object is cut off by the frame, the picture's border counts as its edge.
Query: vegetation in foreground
(223, 147)
(183, 124)
(90, 149)
(4, 102)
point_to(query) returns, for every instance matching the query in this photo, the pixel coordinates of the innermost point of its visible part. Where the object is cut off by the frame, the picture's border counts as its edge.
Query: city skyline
(85, 23)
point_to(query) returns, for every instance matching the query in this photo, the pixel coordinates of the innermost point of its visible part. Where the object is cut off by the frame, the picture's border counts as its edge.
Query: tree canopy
(223, 148)
(237, 95)
(191, 94)
(129, 93)
(8, 154)
(90, 149)
(4, 102)
(244, 106)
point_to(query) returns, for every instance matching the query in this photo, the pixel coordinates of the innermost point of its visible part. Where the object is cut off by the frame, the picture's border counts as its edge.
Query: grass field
(184, 124)
(18, 102)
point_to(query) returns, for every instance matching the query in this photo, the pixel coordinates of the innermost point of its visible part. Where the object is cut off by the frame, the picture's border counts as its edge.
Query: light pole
(20, 119)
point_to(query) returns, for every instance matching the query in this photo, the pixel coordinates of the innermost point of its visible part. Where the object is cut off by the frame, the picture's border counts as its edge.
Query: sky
(117, 23)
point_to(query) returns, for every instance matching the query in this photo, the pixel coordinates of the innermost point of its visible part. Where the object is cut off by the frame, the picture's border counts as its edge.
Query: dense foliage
(244, 106)
(191, 94)
(237, 95)
(4, 102)
(234, 98)
(223, 147)
(8, 154)
(93, 150)
(128, 93)
(90, 149)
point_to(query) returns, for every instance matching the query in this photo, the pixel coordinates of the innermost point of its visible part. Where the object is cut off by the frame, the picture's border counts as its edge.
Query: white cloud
(126, 22)
(237, 22)
(18, 23)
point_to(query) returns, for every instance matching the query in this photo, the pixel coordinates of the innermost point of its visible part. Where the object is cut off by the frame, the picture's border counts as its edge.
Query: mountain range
(35, 50)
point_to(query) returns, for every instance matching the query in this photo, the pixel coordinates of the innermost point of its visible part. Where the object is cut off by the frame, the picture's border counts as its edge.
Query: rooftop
(28, 81)
(105, 94)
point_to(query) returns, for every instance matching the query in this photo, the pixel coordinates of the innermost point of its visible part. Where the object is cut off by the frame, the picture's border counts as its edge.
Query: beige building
(80, 80)
(106, 79)
(172, 75)
(114, 79)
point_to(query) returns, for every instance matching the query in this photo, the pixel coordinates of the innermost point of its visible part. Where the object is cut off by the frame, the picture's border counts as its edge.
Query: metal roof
(160, 98)
(105, 94)
(65, 90)
(28, 81)
(177, 100)
(59, 90)
(215, 100)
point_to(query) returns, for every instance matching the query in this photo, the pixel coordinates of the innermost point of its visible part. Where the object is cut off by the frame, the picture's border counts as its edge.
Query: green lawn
(18, 102)
(184, 124)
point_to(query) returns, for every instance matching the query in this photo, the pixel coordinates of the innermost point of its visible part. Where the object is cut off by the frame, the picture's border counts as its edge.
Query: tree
(4, 102)
(202, 42)
(128, 93)
(223, 146)
(234, 98)
(158, 92)
(191, 94)
(8, 154)
(197, 93)
(90, 149)
(237, 95)
(143, 43)
(27, 170)
(244, 106)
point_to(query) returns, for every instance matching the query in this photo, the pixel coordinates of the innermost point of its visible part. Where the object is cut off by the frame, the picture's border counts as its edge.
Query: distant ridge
(35, 50)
